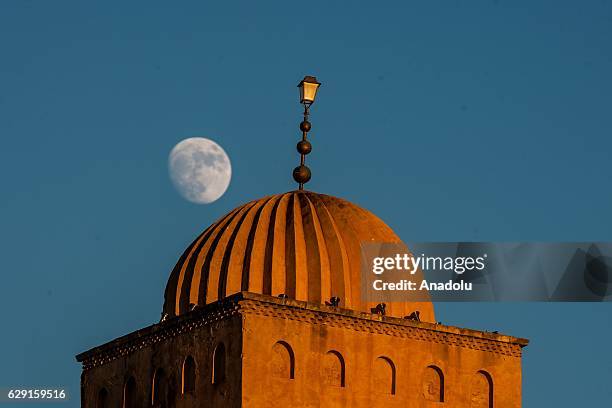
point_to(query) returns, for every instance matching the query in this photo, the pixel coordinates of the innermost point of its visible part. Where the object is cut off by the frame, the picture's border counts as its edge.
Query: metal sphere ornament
(304, 147)
(301, 174)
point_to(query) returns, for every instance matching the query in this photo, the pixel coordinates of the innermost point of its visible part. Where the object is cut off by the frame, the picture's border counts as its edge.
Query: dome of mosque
(301, 244)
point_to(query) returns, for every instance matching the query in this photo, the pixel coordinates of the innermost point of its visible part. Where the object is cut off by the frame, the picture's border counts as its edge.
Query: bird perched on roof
(334, 301)
(380, 309)
(415, 316)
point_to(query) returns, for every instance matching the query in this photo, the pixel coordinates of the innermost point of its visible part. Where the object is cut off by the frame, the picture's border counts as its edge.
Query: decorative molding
(385, 327)
(244, 304)
(149, 336)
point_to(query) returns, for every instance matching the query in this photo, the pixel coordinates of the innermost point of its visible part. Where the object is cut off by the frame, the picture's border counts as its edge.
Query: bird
(334, 301)
(415, 316)
(379, 309)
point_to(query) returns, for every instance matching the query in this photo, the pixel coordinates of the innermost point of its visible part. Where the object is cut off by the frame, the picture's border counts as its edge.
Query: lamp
(308, 90)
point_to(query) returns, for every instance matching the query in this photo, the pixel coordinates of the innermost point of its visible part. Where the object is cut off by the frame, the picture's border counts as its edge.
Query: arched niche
(333, 369)
(188, 376)
(130, 399)
(159, 389)
(481, 393)
(384, 376)
(219, 362)
(433, 384)
(282, 363)
(102, 398)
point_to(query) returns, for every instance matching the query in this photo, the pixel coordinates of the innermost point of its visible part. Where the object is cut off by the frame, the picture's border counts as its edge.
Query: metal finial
(308, 90)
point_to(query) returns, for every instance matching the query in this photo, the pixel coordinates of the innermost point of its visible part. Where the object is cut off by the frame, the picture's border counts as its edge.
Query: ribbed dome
(303, 244)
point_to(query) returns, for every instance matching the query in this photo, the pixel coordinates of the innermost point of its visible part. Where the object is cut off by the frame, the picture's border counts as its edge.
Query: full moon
(199, 169)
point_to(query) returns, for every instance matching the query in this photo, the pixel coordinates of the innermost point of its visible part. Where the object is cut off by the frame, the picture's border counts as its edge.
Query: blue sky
(451, 120)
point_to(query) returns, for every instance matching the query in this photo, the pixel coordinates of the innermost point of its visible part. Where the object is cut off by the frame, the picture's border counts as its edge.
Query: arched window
(333, 370)
(218, 370)
(159, 389)
(102, 401)
(188, 376)
(384, 376)
(433, 384)
(482, 390)
(282, 362)
(129, 393)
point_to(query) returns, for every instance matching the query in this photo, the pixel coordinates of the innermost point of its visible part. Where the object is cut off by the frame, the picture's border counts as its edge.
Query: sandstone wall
(342, 362)
(170, 356)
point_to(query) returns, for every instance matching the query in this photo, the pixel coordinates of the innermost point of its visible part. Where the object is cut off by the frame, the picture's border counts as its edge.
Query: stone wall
(261, 351)
(178, 385)
(346, 360)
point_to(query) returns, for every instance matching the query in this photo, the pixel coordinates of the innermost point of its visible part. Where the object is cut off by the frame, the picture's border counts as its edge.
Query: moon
(199, 169)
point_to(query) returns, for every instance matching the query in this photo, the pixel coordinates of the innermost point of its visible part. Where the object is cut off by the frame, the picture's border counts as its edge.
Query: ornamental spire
(308, 91)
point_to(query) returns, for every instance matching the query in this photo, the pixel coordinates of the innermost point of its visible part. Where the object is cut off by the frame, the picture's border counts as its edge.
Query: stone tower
(247, 322)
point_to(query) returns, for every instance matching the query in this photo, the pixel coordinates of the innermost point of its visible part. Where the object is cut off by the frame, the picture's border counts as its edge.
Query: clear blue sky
(451, 120)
